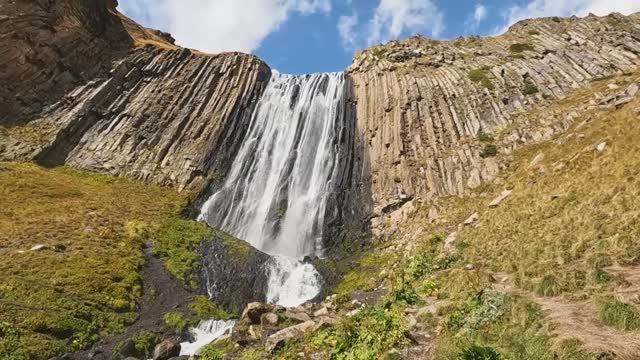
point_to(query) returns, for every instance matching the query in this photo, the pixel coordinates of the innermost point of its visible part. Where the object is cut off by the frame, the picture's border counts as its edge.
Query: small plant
(479, 353)
(548, 286)
(600, 276)
(481, 76)
(144, 342)
(209, 352)
(620, 315)
(530, 88)
(485, 137)
(489, 150)
(176, 320)
(518, 48)
(281, 212)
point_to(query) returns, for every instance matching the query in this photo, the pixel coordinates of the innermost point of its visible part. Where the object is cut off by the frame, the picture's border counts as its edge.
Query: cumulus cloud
(478, 15)
(220, 25)
(390, 20)
(540, 8)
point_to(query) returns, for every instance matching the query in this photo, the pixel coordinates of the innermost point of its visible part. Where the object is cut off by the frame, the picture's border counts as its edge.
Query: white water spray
(275, 195)
(205, 333)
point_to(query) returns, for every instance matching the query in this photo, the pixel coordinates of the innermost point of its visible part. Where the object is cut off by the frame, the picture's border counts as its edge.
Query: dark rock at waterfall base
(232, 272)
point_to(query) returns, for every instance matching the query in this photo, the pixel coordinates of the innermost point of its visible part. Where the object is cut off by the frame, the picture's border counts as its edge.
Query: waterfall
(205, 333)
(276, 193)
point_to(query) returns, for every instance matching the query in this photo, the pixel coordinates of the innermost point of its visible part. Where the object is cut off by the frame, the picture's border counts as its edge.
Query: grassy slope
(570, 218)
(54, 301)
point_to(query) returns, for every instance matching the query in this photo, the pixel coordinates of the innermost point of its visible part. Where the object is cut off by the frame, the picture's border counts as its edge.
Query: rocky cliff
(153, 113)
(431, 115)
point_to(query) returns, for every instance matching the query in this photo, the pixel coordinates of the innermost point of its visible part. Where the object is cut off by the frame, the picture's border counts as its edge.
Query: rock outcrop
(158, 114)
(49, 47)
(422, 105)
(232, 273)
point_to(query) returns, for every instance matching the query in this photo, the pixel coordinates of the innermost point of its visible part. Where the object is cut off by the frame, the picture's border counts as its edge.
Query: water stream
(275, 195)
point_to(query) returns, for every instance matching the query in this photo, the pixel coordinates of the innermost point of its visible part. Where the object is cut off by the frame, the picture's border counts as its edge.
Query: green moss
(176, 241)
(521, 47)
(176, 320)
(481, 76)
(365, 273)
(203, 308)
(144, 342)
(618, 314)
(236, 248)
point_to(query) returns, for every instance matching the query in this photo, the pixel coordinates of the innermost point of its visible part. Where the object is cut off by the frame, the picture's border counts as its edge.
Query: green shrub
(520, 47)
(367, 335)
(489, 150)
(485, 137)
(144, 342)
(530, 88)
(620, 315)
(176, 320)
(481, 76)
(479, 353)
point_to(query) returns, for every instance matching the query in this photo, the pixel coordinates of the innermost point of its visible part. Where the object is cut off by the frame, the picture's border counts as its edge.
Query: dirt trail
(578, 319)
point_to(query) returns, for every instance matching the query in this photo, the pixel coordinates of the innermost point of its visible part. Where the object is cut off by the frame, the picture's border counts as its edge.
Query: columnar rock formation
(421, 102)
(77, 87)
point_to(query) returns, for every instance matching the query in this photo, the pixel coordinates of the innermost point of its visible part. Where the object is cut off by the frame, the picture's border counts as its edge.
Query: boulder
(292, 332)
(471, 219)
(167, 349)
(254, 311)
(297, 316)
(232, 272)
(269, 319)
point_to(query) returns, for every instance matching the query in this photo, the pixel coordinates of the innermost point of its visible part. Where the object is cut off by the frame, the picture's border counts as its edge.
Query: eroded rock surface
(422, 104)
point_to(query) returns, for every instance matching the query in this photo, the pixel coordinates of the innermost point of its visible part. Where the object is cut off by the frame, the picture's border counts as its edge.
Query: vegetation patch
(365, 274)
(83, 281)
(518, 48)
(529, 88)
(620, 315)
(203, 308)
(481, 76)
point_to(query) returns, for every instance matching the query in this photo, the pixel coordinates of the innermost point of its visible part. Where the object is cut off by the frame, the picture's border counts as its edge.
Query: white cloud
(394, 17)
(220, 25)
(390, 20)
(346, 29)
(540, 8)
(474, 20)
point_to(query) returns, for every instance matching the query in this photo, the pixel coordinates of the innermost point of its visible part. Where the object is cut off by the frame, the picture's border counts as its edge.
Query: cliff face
(151, 113)
(422, 104)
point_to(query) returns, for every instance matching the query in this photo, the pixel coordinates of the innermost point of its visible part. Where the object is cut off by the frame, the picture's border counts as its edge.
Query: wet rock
(168, 348)
(233, 272)
(296, 331)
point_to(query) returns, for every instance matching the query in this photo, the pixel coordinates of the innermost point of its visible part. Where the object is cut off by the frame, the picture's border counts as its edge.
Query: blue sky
(303, 36)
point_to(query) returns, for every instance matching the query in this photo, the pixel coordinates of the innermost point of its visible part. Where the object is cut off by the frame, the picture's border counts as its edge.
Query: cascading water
(275, 195)
(204, 333)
